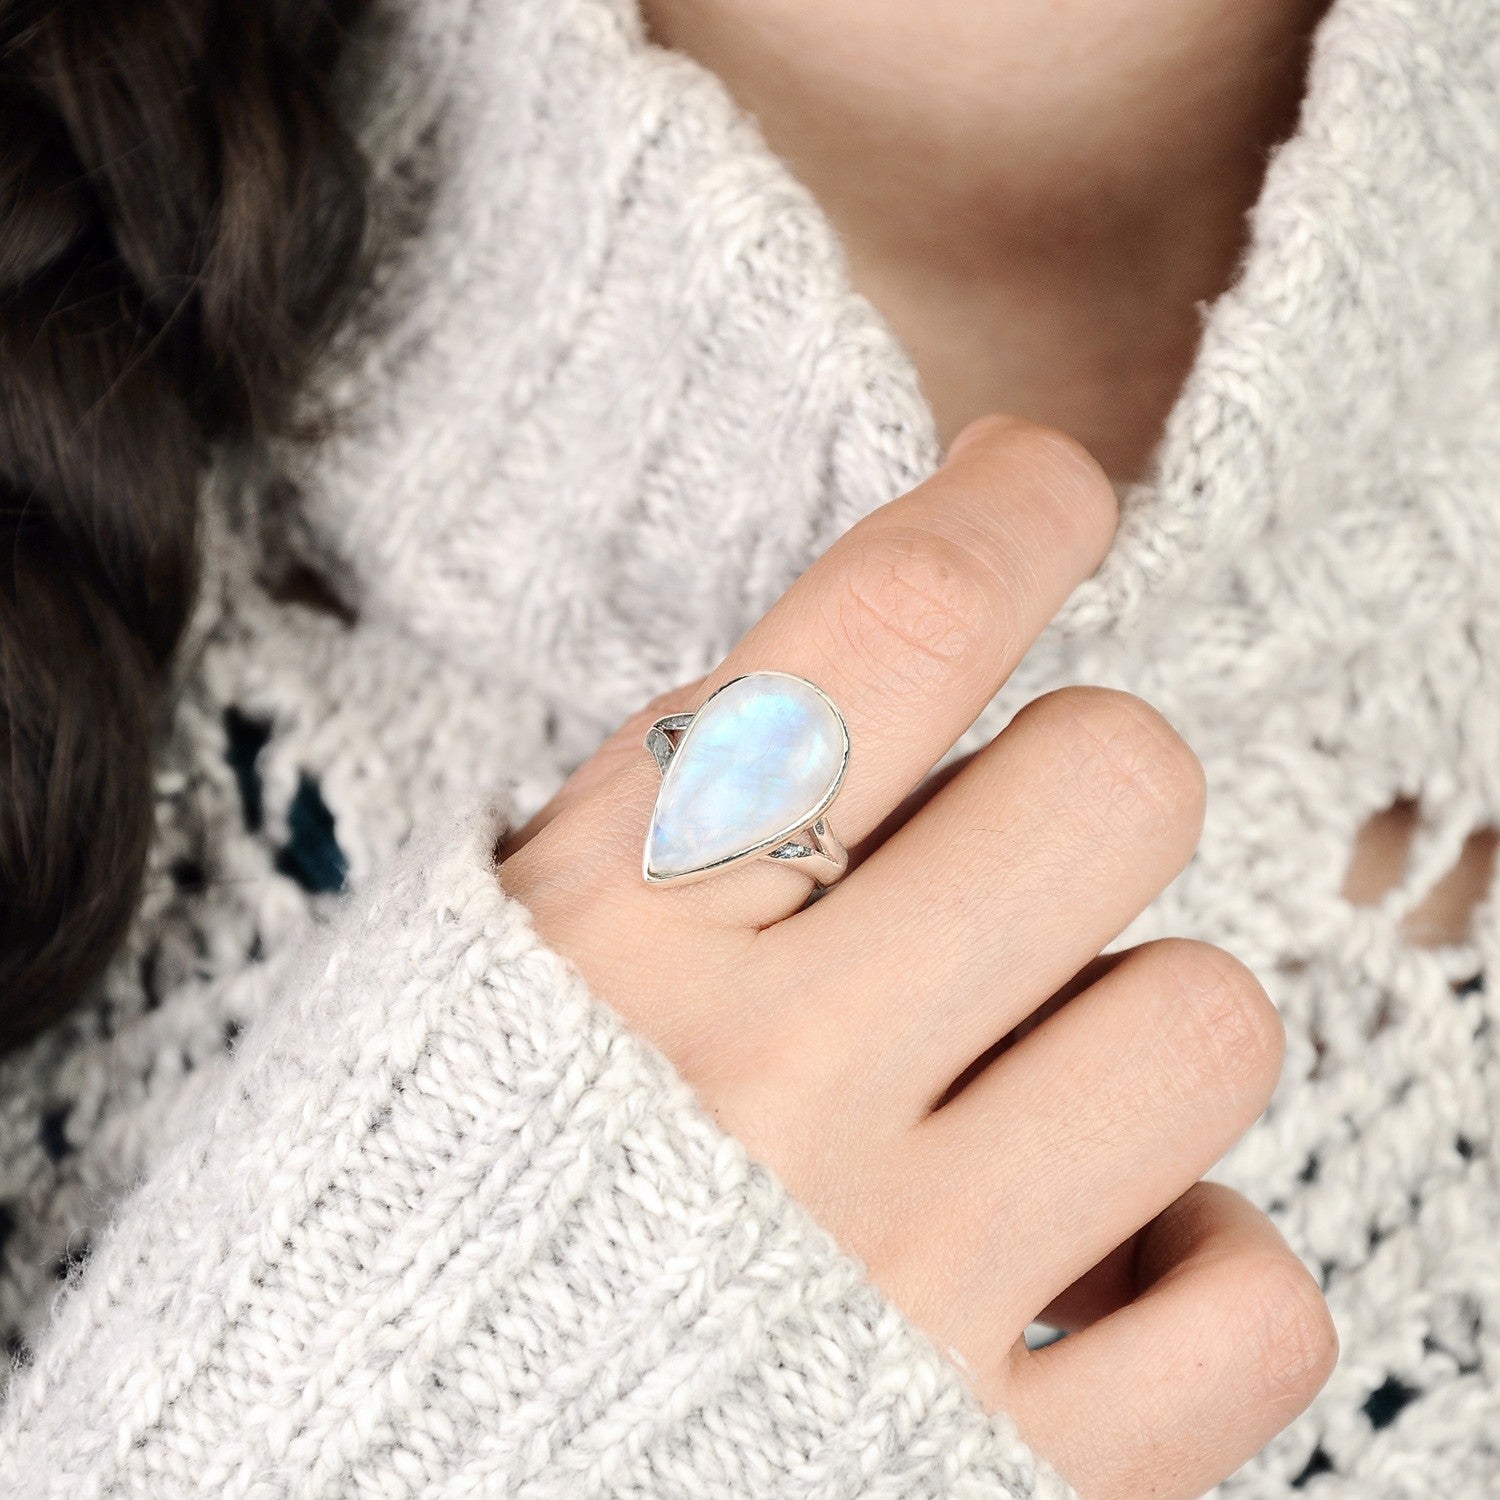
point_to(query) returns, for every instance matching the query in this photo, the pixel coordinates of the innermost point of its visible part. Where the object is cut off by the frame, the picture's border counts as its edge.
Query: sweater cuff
(449, 1228)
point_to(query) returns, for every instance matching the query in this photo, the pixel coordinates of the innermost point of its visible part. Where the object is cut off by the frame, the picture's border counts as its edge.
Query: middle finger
(1008, 884)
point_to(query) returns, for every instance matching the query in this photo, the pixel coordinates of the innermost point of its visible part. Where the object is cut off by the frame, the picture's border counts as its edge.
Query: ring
(750, 775)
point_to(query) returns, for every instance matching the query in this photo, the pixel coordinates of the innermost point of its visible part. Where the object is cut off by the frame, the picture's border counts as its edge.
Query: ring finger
(1163, 1063)
(1217, 1291)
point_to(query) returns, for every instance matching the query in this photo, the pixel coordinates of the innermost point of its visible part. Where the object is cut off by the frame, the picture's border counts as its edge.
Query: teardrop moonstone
(757, 762)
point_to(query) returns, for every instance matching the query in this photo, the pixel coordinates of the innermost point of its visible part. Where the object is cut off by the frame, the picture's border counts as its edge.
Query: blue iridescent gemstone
(758, 763)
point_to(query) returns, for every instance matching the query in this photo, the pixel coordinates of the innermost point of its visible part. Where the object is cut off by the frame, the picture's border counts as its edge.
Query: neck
(1038, 197)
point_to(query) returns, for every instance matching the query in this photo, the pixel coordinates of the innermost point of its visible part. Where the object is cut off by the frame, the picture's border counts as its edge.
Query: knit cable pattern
(608, 391)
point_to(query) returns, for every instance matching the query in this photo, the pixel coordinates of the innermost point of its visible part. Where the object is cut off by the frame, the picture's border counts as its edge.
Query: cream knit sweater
(362, 1195)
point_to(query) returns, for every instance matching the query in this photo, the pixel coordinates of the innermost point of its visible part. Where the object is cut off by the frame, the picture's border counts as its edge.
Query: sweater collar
(611, 391)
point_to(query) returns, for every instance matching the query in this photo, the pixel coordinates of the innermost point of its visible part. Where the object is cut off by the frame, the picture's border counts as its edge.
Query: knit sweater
(353, 1189)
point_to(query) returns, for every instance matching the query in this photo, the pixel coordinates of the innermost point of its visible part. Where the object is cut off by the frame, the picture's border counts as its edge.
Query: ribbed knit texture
(434, 1224)
(447, 1230)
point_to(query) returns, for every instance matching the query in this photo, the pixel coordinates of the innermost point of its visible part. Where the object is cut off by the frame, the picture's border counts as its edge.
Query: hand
(1061, 1180)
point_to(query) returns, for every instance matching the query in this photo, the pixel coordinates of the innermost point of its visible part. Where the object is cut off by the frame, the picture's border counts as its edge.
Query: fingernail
(969, 435)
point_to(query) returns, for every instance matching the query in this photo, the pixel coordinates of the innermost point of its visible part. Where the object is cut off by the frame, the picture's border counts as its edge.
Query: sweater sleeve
(448, 1229)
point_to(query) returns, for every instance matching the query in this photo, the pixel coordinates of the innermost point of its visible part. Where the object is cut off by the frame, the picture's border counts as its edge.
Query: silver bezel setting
(808, 844)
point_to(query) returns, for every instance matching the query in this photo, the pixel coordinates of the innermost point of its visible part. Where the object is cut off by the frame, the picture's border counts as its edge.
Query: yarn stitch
(362, 1194)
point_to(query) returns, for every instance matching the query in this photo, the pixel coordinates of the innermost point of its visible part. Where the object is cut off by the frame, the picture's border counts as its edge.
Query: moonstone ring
(750, 775)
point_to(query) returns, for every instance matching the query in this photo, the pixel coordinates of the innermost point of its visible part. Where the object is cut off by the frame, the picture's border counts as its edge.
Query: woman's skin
(1064, 1178)
(1037, 194)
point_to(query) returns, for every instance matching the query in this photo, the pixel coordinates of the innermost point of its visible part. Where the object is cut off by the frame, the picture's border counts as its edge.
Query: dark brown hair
(179, 210)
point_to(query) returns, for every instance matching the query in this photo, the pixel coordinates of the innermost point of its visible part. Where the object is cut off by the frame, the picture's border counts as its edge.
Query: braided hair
(180, 210)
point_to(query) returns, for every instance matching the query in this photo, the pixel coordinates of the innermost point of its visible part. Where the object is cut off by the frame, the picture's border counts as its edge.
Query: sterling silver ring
(750, 775)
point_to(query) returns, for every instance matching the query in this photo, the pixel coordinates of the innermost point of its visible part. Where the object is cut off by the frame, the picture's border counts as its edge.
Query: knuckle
(915, 605)
(1129, 757)
(1223, 1022)
(1290, 1334)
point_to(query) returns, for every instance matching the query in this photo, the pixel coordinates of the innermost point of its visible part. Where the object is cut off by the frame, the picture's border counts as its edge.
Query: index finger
(910, 623)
